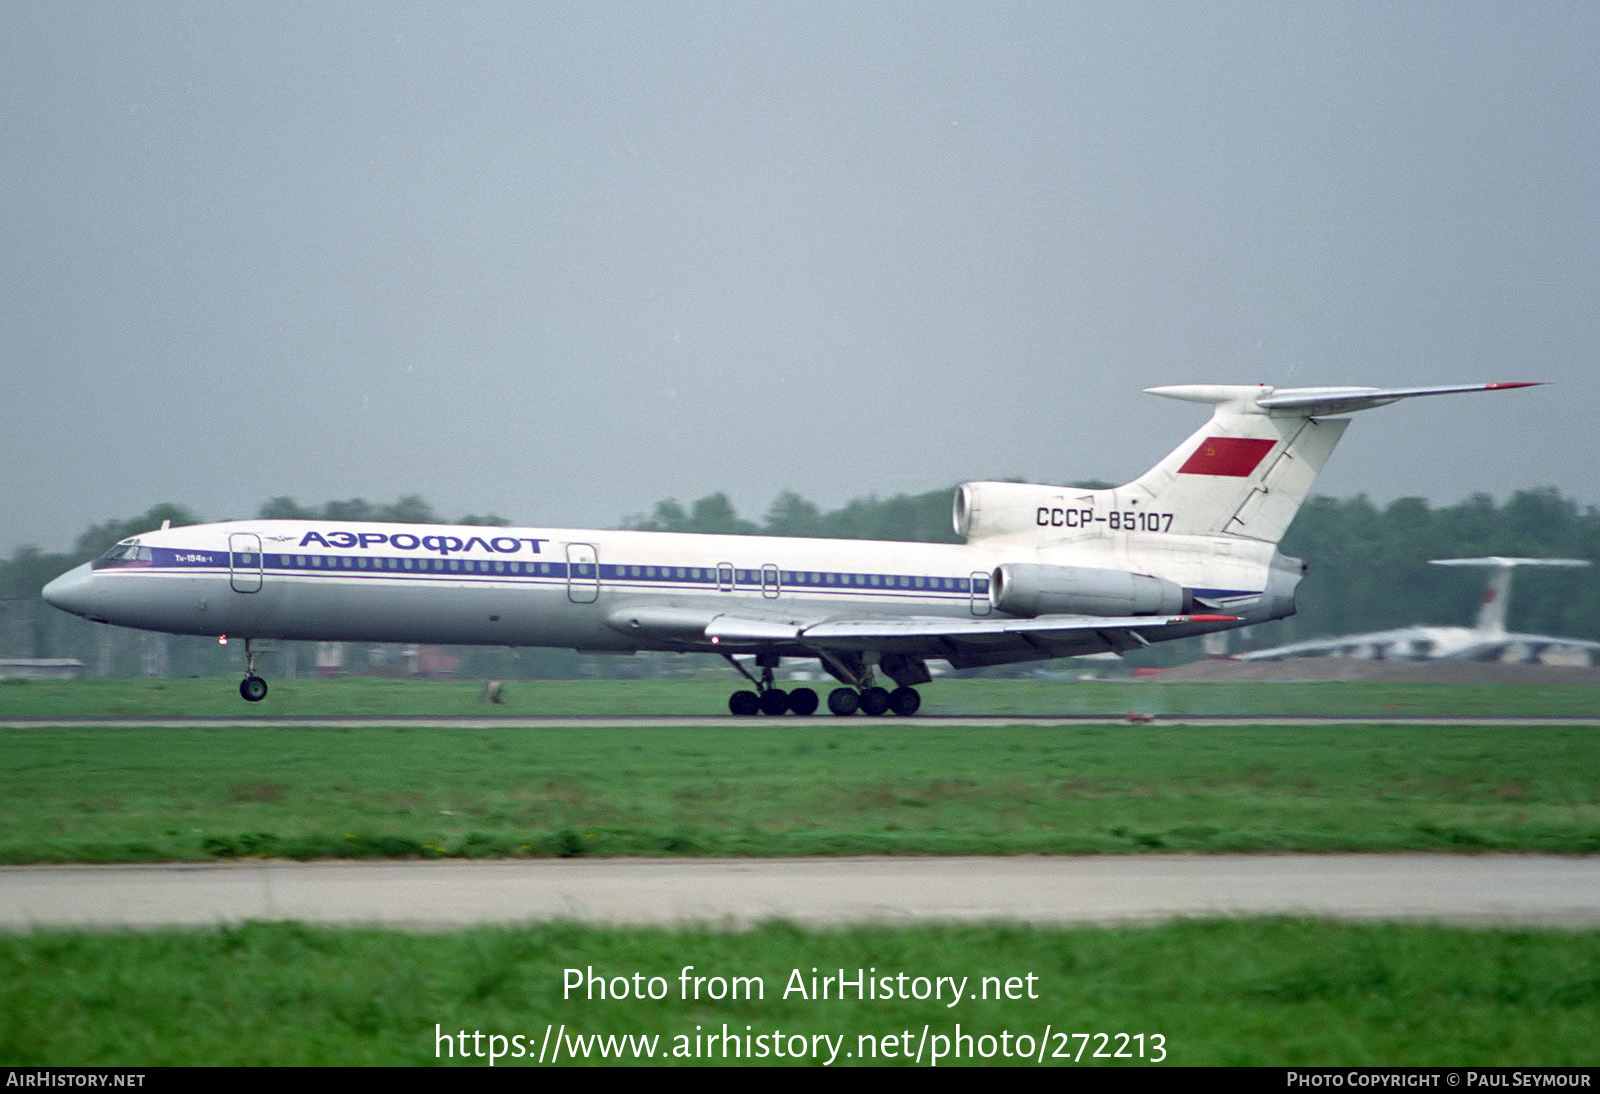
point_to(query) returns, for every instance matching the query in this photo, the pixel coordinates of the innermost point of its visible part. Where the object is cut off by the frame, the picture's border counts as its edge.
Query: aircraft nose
(71, 591)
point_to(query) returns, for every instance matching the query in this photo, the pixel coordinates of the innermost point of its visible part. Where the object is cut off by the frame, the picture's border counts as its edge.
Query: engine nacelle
(984, 509)
(1029, 589)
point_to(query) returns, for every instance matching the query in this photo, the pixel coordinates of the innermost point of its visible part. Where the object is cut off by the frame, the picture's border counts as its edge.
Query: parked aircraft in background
(1046, 571)
(1487, 640)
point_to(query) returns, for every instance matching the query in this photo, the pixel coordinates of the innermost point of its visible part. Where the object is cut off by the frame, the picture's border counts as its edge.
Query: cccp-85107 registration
(1117, 520)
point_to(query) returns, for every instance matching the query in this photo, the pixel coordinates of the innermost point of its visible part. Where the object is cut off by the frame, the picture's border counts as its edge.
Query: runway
(799, 725)
(1479, 890)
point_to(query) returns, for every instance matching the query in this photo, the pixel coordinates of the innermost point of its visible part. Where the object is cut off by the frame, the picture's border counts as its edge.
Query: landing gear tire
(803, 701)
(843, 701)
(905, 701)
(874, 701)
(774, 701)
(744, 704)
(253, 689)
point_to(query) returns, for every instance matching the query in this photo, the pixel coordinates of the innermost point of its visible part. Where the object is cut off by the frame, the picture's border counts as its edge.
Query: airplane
(1487, 640)
(1187, 548)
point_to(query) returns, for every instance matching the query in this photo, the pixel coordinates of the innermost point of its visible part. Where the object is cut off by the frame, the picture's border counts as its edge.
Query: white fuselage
(585, 589)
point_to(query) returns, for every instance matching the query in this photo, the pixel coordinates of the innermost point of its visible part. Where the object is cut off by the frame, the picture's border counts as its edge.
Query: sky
(560, 261)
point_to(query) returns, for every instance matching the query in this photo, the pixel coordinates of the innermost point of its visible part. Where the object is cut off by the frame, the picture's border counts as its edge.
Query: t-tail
(1243, 474)
(1497, 592)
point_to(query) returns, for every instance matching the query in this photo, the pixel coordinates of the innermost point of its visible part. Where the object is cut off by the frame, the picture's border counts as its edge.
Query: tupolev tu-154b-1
(1187, 548)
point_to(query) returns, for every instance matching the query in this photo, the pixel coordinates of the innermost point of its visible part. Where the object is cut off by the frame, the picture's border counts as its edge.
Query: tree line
(1367, 571)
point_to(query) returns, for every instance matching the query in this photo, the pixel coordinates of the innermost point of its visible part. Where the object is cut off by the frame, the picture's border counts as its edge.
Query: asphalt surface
(602, 721)
(1525, 890)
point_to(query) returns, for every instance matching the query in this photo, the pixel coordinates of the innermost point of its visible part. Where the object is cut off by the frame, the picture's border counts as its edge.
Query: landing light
(222, 640)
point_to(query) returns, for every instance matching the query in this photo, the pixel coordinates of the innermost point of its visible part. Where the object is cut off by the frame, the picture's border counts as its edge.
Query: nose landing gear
(252, 688)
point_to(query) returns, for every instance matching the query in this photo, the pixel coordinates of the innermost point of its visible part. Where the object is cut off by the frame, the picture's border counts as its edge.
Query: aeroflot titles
(405, 541)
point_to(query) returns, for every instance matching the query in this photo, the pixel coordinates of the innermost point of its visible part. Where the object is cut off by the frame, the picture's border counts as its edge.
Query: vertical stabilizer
(1246, 472)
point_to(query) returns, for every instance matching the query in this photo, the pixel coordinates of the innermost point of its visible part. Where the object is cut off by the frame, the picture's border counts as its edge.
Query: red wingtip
(1507, 386)
(1209, 618)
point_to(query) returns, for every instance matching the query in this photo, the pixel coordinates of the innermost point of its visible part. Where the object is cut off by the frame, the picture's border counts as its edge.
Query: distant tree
(410, 509)
(354, 509)
(917, 518)
(667, 516)
(792, 515)
(488, 519)
(94, 542)
(27, 571)
(284, 507)
(714, 514)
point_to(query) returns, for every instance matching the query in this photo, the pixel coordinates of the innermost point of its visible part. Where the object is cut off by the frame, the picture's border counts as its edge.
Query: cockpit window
(125, 554)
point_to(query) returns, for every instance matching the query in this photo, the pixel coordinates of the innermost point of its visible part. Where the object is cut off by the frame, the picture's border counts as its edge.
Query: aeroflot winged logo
(1235, 457)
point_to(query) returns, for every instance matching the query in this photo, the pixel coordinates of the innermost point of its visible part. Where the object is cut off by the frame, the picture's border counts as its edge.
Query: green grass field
(837, 786)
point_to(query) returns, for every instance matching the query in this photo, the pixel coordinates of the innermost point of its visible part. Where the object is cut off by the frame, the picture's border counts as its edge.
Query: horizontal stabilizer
(1322, 401)
(1315, 402)
(1496, 560)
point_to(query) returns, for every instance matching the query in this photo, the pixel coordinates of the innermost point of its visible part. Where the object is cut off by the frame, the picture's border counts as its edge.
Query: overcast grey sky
(560, 261)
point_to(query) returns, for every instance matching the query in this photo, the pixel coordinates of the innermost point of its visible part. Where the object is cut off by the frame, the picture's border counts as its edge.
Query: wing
(1528, 648)
(1407, 643)
(1427, 644)
(963, 641)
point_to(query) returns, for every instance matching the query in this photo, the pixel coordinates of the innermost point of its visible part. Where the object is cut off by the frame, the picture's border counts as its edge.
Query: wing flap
(978, 641)
(941, 627)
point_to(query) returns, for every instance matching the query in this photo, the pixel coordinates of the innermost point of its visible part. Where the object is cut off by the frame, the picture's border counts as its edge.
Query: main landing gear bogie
(875, 701)
(842, 702)
(864, 696)
(774, 701)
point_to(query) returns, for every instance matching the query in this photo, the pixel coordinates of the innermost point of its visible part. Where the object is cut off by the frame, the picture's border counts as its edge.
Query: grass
(791, 788)
(366, 697)
(1220, 993)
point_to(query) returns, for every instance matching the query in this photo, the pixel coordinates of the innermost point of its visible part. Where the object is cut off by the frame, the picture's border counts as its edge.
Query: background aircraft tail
(1497, 593)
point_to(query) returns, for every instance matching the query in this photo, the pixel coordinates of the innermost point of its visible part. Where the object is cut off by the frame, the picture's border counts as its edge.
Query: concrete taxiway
(1527, 890)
